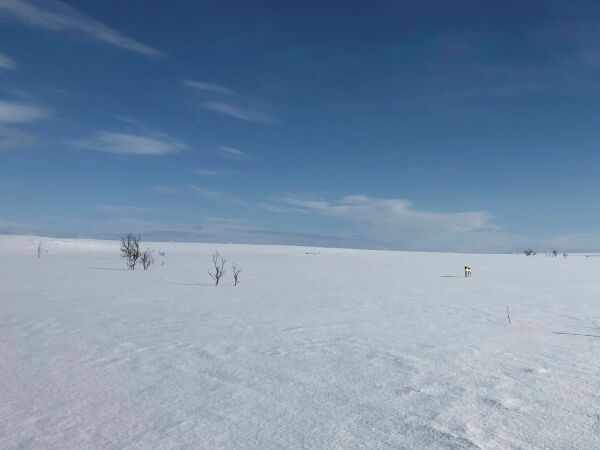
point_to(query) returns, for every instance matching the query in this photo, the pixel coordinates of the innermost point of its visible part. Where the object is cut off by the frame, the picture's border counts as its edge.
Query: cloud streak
(208, 87)
(362, 208)
(58, 16)
(212, 194)
(120, 209)
(6, 62)
(238, 112)
(232, 153)
(131, 144)
(11, 112)
(211, 172)
(394, 223)
(12, 139)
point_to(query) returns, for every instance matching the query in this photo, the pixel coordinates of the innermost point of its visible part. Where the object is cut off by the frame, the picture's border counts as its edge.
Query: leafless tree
(147, 259)
(130, 249)
(555, 253)
(219, 267)
(529, 252)
(236, 274)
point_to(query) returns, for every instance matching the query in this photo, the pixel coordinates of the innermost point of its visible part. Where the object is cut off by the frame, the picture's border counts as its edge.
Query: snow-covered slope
(342, 349)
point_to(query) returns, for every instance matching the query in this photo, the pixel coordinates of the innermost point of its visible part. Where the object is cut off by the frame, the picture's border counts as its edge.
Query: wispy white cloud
(120, 209)
(396, 224)
(232, 153)
(128, 120)
(211, 193)
(13, 139)
(6, 62)
(394, 212)
(218, 195)
(211, 172)
(11, 112)
(207, 193)
(166, 190)
(280, 209)
(190, 191)
(239, 112)
(208, 87)
(58, 16)
(131, 144)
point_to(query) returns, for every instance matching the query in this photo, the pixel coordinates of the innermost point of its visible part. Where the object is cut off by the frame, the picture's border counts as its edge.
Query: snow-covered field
(342, 349)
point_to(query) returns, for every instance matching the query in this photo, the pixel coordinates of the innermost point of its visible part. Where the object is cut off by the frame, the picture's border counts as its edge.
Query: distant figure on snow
(467, 271)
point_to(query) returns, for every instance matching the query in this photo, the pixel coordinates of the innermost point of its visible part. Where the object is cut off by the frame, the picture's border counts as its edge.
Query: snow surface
(337, 349)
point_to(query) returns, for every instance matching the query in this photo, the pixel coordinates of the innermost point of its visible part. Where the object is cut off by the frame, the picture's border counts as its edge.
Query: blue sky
(417, 125)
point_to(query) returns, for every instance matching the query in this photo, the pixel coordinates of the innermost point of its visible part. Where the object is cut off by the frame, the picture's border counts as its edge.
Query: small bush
(236, 274)
(218, 267)
(147, 259)
(130, 249)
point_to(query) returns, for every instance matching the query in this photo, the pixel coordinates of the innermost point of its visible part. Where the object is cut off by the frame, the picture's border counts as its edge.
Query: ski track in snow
(341, 349)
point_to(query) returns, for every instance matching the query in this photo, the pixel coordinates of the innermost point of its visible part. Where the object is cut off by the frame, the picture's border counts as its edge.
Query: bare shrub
(147, 259)
(236, 274)
(565, 255)
(130, 249)
(219, 267)
(529, 252)
(555, 253)
(39, 250)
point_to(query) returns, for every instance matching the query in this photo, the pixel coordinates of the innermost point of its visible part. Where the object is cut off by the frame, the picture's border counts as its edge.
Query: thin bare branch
(218, 267)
